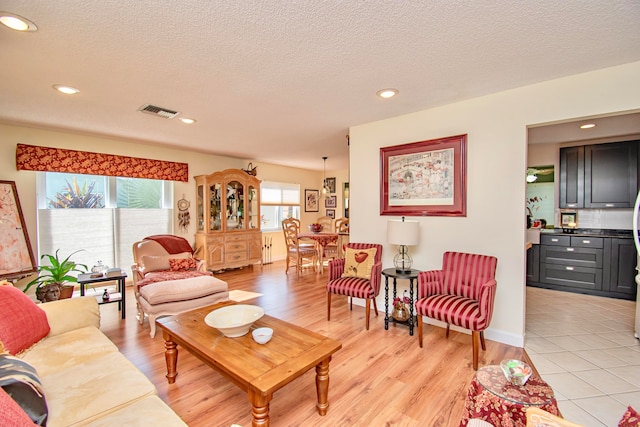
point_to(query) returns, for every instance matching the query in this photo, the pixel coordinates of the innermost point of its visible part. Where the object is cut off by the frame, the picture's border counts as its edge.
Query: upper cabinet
(599, 175)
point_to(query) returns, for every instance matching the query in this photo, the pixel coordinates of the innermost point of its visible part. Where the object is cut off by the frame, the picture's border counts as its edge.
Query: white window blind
(279, 194)
(106, 233)
(278, 200)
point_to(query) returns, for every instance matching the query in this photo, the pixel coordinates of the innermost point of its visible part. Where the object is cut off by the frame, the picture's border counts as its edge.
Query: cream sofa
(87, 381)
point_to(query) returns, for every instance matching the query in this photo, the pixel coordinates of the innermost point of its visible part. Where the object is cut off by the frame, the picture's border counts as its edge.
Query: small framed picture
(330, 201)
(331, 213)
(311, 200)
(331, 184)
(569, 219)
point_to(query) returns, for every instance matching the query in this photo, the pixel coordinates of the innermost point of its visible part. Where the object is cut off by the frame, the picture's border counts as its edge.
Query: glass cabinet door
(252, 213)
(200, 207)
(215, 206)
(235, 205)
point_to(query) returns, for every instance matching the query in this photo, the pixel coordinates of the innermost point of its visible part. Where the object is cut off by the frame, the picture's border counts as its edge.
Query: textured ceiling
(282, 82)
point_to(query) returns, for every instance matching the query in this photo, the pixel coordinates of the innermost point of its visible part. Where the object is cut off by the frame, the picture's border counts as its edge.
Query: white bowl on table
(262, 335)
(234, 320)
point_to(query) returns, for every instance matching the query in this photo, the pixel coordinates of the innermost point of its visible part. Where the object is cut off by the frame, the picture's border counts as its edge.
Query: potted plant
(52, 278)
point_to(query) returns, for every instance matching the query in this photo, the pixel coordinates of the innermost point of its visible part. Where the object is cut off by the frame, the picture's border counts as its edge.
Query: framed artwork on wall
(331, 213)
(311, 200)
(16, 256)
(331, 185)
(330, 202)
(426, 178)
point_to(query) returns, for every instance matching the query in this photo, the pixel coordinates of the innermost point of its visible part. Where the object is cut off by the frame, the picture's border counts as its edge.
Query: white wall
(199, 164)
(496, 126)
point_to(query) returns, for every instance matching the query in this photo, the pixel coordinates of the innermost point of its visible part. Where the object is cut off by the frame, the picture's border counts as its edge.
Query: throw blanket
(164, 275)
(172, 244)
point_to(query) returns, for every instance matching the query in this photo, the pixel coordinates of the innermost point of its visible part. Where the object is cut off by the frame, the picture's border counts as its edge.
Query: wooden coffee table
(258, 369)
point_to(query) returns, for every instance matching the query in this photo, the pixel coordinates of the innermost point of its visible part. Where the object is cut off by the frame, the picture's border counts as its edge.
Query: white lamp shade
(403, 232)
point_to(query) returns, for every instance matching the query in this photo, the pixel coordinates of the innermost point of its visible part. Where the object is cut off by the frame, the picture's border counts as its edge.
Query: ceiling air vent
(158, 111)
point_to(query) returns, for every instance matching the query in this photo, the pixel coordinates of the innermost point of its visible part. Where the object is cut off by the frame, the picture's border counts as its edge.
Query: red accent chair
(462, 294)
(355, 287)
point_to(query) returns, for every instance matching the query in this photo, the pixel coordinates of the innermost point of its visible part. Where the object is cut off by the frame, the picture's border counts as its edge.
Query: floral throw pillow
(186, 264)
(359, 262)
(630, 418)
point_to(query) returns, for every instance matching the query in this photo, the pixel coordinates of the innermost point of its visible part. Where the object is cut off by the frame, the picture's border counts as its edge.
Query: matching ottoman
(176, 296)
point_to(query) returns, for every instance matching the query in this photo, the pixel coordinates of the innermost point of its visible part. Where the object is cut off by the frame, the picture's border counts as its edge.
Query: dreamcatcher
(183, 214)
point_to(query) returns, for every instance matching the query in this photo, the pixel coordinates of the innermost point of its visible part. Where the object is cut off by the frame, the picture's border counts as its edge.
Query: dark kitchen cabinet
(611, 175)
(572, 177)
(603, 266)
(533, 263)
(599, 175)
(623, 267)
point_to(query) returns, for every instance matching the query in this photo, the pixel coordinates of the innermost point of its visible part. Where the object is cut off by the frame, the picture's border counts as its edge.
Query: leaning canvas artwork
(16, 257)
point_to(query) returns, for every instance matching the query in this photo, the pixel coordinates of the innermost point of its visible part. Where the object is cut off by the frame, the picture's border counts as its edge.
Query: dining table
(321, 240)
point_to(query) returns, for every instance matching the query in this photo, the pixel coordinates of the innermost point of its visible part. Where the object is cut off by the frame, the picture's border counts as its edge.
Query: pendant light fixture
(325, 188)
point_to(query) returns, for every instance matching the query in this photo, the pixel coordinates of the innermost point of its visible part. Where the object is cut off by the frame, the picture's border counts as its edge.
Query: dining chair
(461, 293)
(341, 225)
(297, 252)
(327, 224)
(357, 275)
(537, 417)
(330, 250)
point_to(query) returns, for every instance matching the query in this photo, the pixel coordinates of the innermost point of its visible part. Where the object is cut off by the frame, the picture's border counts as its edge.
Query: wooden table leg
(322, 385)
(171, 356)
(259, 408)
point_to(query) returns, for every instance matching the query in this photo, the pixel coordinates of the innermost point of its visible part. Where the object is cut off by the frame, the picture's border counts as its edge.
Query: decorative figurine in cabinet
(228, 218)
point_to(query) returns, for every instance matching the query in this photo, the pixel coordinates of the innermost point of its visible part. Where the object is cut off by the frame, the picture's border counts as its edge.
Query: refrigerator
(636, 240)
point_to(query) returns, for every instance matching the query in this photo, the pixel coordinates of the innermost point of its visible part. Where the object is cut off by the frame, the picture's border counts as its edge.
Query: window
(100, 216)
(278, 201)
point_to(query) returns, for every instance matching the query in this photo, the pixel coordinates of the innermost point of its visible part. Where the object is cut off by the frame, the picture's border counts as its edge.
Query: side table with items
(106, 298)
(412, 276)
(493, 398)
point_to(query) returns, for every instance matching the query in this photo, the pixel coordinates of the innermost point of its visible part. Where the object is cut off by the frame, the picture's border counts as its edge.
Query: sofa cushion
(16, 311)
(68, 350)
(20, 381)
(151, 410)
(186, 264)
(182, 289)
(359, 262)
(95, 387)
(12, 414)
(160, 262)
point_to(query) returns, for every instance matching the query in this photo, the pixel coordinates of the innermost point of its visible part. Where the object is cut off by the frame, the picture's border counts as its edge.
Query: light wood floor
(378, 378)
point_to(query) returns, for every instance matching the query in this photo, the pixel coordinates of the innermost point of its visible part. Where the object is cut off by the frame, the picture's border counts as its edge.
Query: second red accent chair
(460, 294)
(351, 285)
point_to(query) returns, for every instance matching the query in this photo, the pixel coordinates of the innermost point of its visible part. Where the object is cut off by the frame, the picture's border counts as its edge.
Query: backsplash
(614, 219)
(543, 207)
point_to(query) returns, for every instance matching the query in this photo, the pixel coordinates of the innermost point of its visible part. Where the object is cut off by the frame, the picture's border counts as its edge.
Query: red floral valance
(46, 159)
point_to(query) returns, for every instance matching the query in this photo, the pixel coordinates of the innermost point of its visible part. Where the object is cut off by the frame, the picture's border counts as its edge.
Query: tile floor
(584, 347)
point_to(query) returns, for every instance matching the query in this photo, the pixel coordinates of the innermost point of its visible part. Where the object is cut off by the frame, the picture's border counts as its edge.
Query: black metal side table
(86, 279)
(411, 276)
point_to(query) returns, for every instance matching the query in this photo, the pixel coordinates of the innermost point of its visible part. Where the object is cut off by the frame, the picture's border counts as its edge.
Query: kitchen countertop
(592, 232)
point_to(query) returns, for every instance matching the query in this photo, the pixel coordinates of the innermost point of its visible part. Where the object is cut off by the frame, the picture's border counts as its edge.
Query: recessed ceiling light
(66, 89)
(588, 126)
(17, 22)
(387, 93)
(187, 120)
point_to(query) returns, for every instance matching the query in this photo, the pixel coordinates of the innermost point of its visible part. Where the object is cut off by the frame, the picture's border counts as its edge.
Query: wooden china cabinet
(228, 219)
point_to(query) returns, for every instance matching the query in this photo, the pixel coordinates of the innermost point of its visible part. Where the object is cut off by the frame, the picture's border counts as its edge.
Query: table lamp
(404, 234)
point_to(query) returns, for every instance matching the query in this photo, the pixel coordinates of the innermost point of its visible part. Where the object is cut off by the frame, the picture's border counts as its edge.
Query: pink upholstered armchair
(356, 287)
(167, 279)
(461, 294)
